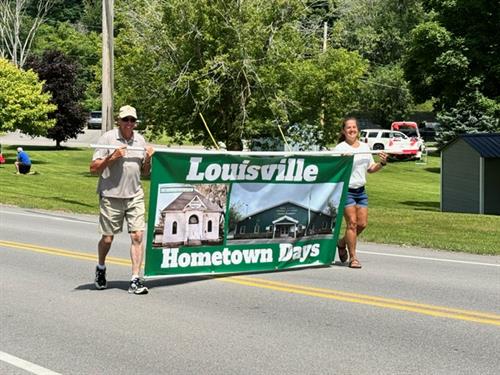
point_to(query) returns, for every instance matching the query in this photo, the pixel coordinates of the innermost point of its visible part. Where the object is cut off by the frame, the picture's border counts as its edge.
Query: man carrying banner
(356, 207)
(120, 193)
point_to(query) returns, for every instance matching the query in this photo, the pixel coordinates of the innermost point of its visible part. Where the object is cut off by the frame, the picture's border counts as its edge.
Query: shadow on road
(151, 283)
(173, 281)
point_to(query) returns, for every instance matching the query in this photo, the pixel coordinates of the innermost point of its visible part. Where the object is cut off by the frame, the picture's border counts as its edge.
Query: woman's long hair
(342, 135)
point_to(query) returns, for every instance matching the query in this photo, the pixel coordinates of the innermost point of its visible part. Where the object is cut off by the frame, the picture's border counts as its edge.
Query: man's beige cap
(127, 111)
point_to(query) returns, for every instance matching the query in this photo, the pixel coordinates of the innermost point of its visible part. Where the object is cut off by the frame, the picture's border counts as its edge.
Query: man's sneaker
(100, 278)
(137, 287)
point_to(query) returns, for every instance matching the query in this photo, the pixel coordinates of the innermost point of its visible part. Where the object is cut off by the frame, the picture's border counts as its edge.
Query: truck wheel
(378, 146)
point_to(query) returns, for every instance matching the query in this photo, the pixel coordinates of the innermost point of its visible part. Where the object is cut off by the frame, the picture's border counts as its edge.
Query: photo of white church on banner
(189, 219)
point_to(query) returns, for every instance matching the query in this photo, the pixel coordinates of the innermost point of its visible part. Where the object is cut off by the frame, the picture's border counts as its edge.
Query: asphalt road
(19, 139)
(408, 311)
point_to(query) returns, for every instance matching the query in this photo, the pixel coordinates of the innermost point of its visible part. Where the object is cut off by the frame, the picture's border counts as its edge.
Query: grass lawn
(62, 180)
(404, 200)
(405, 210)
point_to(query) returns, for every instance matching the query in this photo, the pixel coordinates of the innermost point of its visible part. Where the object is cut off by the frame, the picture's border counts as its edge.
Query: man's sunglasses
(129, 119)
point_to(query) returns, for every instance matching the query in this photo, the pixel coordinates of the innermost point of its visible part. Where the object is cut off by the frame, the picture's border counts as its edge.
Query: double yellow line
(388, 303)
(62, 253)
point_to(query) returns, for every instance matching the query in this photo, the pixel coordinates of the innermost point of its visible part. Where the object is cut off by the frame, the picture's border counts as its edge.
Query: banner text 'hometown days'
(226, 257)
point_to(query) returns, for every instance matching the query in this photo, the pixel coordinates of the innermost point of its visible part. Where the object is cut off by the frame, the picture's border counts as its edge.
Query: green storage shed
(470, 174)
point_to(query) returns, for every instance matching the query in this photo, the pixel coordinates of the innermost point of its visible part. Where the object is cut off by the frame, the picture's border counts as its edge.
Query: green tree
(84, 48)
(474, 24)
(457, 47)
(235, 215)
(247, 66)
(385, 95)
(473, 113)
(61, 10)
(60, 75)
(92, 15)
(308, 89)
(306, 137)
(23, 104)
(435, 65)
(378, 30)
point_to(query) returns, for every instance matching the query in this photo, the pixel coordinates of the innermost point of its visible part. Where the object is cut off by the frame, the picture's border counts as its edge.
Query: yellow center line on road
(394, 304)
(368, 297)
(64, 253)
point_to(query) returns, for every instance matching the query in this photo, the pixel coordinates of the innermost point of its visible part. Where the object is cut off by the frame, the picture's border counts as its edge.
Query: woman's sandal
(342, 253)
(354, 263)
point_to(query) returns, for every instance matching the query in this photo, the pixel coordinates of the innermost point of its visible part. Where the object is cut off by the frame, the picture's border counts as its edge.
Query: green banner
(213, 213)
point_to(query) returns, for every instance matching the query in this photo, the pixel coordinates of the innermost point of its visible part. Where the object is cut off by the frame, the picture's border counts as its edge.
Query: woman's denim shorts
(357, 197)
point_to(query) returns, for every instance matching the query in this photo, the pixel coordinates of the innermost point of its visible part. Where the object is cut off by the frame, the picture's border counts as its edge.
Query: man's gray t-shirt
(121, 179)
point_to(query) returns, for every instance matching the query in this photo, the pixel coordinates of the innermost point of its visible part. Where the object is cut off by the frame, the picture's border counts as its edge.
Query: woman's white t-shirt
(360, 164)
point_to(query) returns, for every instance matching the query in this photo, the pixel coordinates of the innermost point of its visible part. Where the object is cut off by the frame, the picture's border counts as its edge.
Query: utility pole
(325, 44)
(107, 64)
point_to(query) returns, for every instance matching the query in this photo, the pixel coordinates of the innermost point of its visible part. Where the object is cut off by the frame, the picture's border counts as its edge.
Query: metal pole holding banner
(284, 138)
(245, 153)
(209, 132)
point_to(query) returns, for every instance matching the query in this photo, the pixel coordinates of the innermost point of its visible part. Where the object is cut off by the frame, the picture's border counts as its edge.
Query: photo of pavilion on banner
(213, 212)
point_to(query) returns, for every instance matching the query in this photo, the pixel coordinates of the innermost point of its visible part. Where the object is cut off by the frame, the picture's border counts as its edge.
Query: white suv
(380, 139)
(393, 142)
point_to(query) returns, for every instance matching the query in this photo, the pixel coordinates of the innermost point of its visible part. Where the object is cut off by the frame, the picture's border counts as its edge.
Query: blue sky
(252, 197)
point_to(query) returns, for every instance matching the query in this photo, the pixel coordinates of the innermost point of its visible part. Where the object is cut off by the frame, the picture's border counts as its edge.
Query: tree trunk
(234, 145)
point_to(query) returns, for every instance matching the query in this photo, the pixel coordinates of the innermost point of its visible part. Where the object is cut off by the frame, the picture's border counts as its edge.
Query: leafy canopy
(247, 66)
(23, 104)
(458, 47)
(385, 95)
(379, 31)
(473, 113)
(84, 48)
(60, 76)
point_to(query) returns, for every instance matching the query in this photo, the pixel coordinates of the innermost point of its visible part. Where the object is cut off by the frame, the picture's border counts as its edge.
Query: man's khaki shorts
(114, 210)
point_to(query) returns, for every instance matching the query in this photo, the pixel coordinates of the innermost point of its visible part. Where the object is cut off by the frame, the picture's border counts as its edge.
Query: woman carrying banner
(356, 207)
